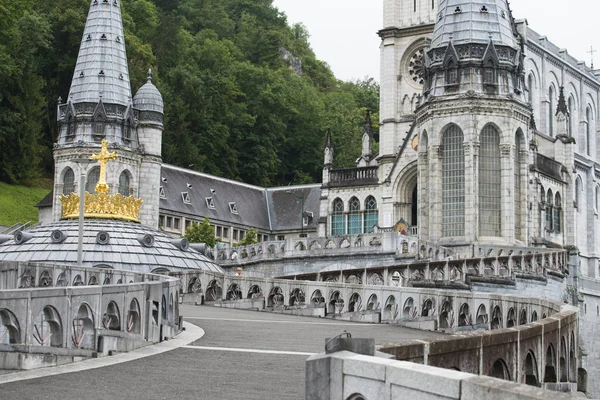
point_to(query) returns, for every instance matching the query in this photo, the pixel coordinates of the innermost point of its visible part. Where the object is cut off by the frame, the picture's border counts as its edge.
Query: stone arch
(125, 179)
(552, 99)
(315, 245)
(134, 324)
(530, 371)
(511, 319)
(372, 303)
(356, 396)
(234, 292)
(112, 317)
(446, 315)
(500, 370)
(84, 335)
(336, 303)
(496, 318)
(77, 281)
(405, 185)
(464, 317)
(10, 330)
(355, 303)
(390, 309)
(317, 299)
(534, 316)
(428, 308)
(163, 307)
(49, 332)
(523, 317)
(172, 307)
(490, 181)
(62, 280)
(214, 292)
(255, 292)
(409, 310)
(27, 279)
(93, 281)
(482, 317)
(300, 246)
(276, 297)
(195, 285)
(562, 361)
(572, 359)
(453, 181)
(297, 298)
(550, 369)
(45, 279)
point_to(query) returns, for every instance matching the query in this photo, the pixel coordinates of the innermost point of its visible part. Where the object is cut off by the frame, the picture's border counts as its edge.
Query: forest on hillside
(234, 106)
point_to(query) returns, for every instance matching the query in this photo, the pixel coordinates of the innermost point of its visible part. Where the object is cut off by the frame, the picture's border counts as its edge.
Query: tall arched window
(355, 217)
(571, 115)
(68, 181)
(338, 225)
(551, 111)
(588, 130)
(453, 182)
(530, 86)
(490, 183)
(518, 201)
(557, 213)
(549, 210)
(99, 129)
(124, 183)
(451, 74)
(578, 186)
(92, 180)
(489, 72)
(371, 214)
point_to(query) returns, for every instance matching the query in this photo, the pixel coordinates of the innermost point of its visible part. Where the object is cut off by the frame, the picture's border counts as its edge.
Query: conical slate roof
(148, 98)
(474, 21)
(101, 70)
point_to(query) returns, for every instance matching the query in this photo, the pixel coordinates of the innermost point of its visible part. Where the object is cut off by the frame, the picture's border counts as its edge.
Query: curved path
(243, 354)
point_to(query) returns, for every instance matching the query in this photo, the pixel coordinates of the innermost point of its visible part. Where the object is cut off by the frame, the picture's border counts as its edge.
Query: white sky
(344, 32)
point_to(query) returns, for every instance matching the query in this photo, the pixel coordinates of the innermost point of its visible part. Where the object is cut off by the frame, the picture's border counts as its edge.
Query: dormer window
(99, 129)
(233, 208)
(451, 74)
(210, 203)
(161, 193)
(489, 73)
(185, 196)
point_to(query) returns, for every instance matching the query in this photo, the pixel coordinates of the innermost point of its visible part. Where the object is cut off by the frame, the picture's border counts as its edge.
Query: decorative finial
(562, 104)
(149, 75)
(59, 99)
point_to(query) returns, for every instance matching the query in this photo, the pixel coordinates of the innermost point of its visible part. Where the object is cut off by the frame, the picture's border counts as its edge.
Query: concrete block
(365, 369)
(431, 380)
(481, 387)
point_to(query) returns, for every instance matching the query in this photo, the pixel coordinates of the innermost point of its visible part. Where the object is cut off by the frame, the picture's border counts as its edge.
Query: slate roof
(262, 208)
(124, 251)
(102, 49)
(148, 98)
(471, 25)
(46, 201)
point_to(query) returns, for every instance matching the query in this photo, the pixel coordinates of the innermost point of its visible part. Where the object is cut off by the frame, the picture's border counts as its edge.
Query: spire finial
(149, 75)
(562, 104)
(591, 53)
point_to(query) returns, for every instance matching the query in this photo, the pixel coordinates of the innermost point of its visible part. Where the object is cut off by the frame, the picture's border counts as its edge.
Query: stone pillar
(435, 197)
(471, 189)
(507, 220)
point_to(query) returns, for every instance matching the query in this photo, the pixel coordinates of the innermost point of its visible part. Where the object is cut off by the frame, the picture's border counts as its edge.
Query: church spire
(328, 152)
(101, 70)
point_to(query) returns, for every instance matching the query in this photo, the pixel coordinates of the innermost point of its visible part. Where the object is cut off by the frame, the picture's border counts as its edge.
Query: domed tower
(99, 107)
(473, 122)
(148, 101)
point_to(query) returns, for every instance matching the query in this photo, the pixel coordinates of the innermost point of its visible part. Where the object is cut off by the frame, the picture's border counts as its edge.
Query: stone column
(507, 199)
(435, 196)
(471, 189)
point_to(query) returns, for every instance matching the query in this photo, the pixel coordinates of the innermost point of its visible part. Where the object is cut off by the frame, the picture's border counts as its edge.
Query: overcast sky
(343, 32)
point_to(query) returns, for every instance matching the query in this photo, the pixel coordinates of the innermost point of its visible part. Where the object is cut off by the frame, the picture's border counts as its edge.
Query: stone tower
(99, 106)
(473, 125)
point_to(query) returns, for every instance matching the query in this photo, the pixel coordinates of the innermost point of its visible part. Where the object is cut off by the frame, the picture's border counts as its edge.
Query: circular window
(415, 67)
(102, 238)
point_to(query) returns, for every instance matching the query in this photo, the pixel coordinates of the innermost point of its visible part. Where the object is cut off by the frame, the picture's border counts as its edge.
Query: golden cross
(103, 157)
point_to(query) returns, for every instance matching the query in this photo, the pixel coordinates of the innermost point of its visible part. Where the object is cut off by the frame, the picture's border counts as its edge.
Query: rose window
(415, 67)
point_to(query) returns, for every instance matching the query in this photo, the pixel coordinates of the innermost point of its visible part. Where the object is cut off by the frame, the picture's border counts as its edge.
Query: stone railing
(51, 314)
(353, 176)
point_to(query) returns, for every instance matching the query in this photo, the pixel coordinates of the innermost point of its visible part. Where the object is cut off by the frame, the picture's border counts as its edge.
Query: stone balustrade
(353, 176)
(52, 315)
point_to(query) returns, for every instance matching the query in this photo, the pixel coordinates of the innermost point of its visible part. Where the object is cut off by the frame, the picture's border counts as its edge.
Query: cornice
(394, 32)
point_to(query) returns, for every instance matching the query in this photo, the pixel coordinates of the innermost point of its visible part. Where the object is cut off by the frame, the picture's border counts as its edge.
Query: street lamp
(301, 197)
(83, 165)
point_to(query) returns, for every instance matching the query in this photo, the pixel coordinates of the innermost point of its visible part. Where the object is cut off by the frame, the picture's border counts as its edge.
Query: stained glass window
(490, 183)
(453, 182)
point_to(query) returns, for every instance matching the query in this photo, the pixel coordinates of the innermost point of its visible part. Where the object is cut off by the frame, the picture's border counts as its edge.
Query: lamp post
(301, 197)
(83, 164)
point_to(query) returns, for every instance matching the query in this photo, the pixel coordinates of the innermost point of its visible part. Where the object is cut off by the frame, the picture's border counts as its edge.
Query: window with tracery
(355, 217)
(338, 224)
(490, 183)
(551, 111)
(68, 182)
(557, 213)
(518, 203)
(124, 183)
(588, 131)
(453, 182)
(371, 214)
(549, 211)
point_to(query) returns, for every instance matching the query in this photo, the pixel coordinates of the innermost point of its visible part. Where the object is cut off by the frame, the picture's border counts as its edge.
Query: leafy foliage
(250, 238)
(201, 233)
(236, 103)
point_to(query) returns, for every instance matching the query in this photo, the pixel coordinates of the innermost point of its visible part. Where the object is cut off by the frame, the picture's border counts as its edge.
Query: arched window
(415, 5)
(453, 182)
(338, 225)
(557, 213)
(355, 217)
(551, 111)
(68, 181)
(588, 130)
(549, 210)
(371, 214)
(70, 134)
(578, 186)
(490, 183)
(489, 73)
(518, 201)
(451, 74)
(92, 180)
(124, 183)
(571, 115)
(530, 87)
(99, 129)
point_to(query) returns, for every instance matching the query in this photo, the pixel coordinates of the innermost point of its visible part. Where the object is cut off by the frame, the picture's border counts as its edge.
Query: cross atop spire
(103, 158)
(591, 53)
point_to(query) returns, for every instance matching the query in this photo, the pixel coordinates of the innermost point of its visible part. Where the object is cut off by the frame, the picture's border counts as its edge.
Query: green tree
(201, 233)
(250, 238)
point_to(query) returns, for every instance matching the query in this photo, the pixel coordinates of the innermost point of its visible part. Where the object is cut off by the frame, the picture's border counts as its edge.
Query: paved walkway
(242, 355)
